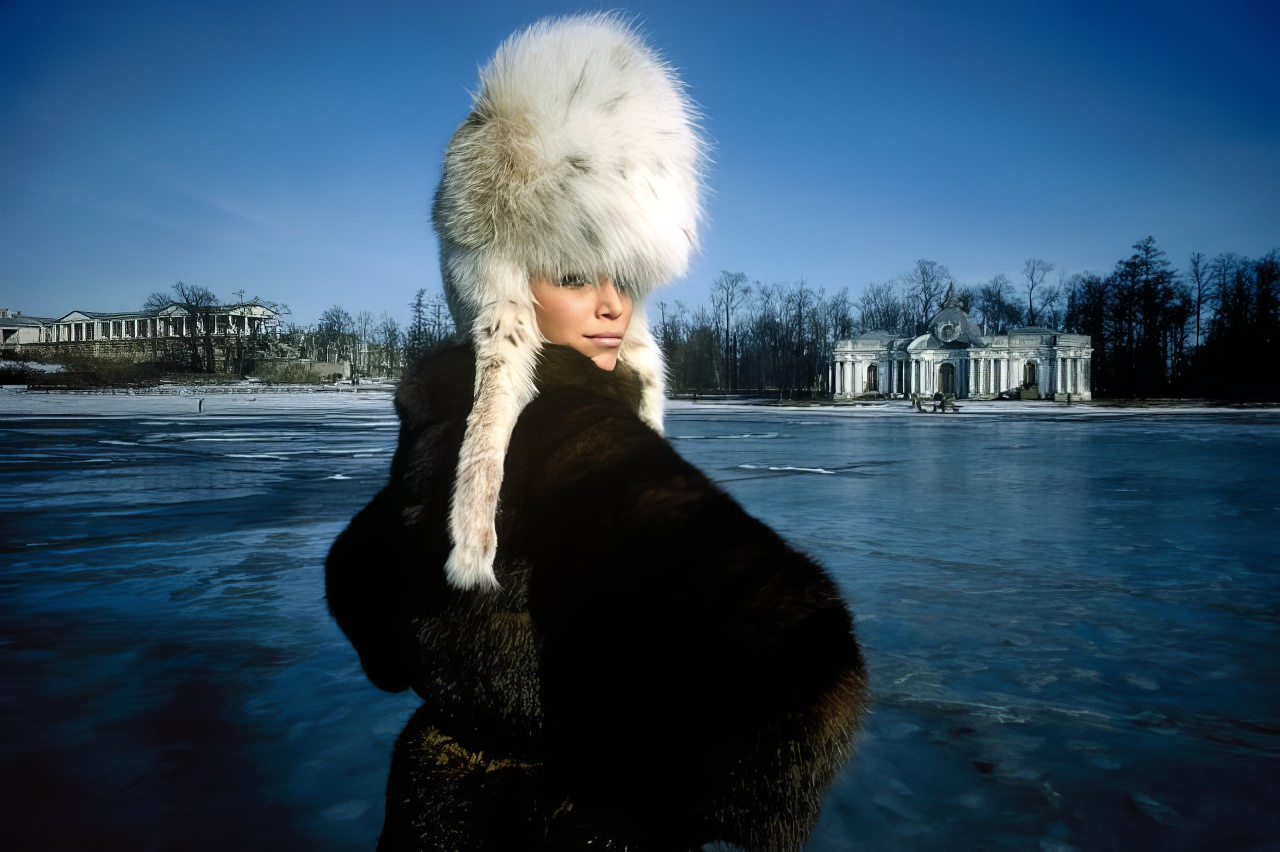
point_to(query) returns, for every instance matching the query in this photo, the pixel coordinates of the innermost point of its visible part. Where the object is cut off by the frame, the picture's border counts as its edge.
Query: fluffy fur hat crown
(580, 156)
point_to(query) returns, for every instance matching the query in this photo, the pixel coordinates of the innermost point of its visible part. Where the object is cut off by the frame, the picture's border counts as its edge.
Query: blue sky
(290, 149)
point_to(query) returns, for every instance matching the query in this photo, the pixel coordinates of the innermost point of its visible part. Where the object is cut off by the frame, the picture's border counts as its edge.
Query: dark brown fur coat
(659, 669)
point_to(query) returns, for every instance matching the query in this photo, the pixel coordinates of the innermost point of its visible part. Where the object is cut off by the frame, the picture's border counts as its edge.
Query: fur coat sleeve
(677, 672)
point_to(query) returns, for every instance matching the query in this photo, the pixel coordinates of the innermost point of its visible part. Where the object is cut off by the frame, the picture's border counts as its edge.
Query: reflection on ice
(786, 468)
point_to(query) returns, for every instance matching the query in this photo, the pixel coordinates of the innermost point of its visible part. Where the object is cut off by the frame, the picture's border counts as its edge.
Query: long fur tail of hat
(580, 156)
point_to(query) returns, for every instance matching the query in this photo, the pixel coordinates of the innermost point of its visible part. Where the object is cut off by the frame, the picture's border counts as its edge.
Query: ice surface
(1071, 617)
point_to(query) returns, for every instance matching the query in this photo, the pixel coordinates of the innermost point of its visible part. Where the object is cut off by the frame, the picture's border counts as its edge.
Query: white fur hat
(580, 156)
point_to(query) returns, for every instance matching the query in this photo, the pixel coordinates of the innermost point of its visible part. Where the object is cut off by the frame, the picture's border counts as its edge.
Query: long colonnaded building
(248, 319)
(954, 357)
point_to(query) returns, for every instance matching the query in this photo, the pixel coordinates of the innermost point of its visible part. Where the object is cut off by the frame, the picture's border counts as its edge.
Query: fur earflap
(580, 156)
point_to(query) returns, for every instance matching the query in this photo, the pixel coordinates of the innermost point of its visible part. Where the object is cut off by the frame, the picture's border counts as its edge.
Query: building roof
(171, 309)
(951, 328)
(18, 320)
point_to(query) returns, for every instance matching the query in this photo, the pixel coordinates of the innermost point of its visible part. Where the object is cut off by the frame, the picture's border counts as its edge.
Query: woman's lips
(606, 339)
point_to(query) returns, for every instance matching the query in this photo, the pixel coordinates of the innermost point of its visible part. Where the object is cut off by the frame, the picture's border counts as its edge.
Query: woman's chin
(606, 360)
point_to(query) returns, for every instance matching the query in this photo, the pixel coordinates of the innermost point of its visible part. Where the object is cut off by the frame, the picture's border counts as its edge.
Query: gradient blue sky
(290, 149)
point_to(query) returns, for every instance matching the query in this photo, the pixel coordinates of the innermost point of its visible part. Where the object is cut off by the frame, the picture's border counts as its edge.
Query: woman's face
(589, 316)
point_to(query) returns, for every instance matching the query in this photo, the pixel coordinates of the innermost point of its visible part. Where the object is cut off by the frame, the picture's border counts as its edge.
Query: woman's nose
(608, 299)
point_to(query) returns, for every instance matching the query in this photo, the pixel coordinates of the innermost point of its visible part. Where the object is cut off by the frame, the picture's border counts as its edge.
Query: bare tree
(993, 302)
(390, 341)
(880, 308)
(201, 306)
(839, 309)
(924, 286)
(1034, 272)
(800, 307)
(335, 332)
(1198, 274)
(1051, 306)
(728, 293)
(363, 334)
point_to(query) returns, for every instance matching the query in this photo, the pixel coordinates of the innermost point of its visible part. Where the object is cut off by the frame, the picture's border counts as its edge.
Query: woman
(610, 651)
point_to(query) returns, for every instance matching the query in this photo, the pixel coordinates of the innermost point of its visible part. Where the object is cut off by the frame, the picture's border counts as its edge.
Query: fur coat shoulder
(658, 669)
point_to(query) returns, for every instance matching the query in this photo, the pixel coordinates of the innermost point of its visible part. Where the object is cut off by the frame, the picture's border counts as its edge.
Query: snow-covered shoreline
(970, 408)
(187, 400)
(192, 400)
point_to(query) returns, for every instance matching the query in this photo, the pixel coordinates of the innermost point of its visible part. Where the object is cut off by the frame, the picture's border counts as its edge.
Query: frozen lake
(1071, 618)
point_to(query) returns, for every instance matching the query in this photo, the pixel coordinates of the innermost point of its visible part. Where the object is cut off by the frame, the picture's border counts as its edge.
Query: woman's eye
(621, 285)
(574, 281)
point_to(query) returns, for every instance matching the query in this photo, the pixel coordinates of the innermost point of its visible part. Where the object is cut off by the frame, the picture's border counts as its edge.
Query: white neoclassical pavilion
(953, 357)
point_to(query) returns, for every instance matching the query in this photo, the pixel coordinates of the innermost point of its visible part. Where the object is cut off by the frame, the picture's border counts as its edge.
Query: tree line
(1204, 331)
(1156, 330)
(378, 346)
(780, 337)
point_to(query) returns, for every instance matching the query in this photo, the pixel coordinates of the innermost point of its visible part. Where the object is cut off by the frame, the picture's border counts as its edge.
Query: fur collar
(441, 385)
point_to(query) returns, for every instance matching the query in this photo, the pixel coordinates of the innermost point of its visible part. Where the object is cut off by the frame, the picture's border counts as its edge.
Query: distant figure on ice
(610, 651)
